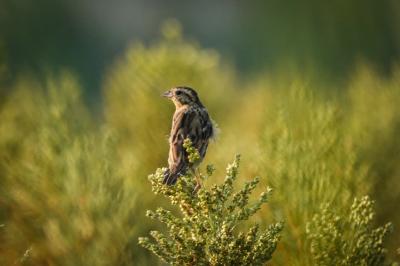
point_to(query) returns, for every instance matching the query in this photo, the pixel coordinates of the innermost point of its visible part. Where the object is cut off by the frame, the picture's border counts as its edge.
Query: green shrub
(307, 159)
(206, 234)
(63, 199)
(374, 124)
(347, 238)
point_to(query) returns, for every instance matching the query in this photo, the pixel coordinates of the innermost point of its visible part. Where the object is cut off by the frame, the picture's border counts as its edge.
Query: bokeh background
(88, 35)
(308, 92)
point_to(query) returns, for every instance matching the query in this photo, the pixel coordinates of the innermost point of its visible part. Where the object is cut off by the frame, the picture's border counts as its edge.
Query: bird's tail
(170, 178)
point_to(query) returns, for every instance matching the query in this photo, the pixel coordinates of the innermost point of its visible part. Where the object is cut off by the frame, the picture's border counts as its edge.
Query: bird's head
(181, 96)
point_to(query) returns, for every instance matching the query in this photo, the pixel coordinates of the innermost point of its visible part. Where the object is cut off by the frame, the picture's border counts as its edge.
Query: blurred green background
(308, 92)
(87, 35)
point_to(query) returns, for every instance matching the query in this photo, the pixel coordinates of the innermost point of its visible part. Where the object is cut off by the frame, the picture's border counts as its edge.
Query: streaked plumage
(190, 120)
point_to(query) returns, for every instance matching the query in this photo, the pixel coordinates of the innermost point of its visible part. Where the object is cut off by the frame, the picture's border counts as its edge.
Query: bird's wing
(206, 132)
(181, 127)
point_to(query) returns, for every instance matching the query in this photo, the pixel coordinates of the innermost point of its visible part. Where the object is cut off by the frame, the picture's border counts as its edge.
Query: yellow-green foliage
(374, 122)
(74, 188)
(349, 238)
(307, 159)
(63, 198)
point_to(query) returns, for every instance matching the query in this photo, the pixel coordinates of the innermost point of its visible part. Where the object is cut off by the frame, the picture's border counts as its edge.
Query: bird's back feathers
(191, 122)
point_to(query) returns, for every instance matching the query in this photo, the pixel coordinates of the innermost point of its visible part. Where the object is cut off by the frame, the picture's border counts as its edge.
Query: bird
(190, 120)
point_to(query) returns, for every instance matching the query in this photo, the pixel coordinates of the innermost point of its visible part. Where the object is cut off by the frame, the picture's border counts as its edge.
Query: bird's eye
(178, 93)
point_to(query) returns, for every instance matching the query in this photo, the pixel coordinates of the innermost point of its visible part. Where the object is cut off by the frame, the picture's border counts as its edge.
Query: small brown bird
(190, 120)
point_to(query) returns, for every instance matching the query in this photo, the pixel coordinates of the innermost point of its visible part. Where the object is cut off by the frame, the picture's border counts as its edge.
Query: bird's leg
(196, 173)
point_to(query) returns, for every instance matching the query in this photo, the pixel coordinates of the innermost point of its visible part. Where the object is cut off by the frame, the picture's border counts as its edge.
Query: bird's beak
(167, 94)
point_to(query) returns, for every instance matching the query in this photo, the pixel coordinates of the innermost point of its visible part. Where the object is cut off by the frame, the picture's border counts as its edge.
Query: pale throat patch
(176, 102)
